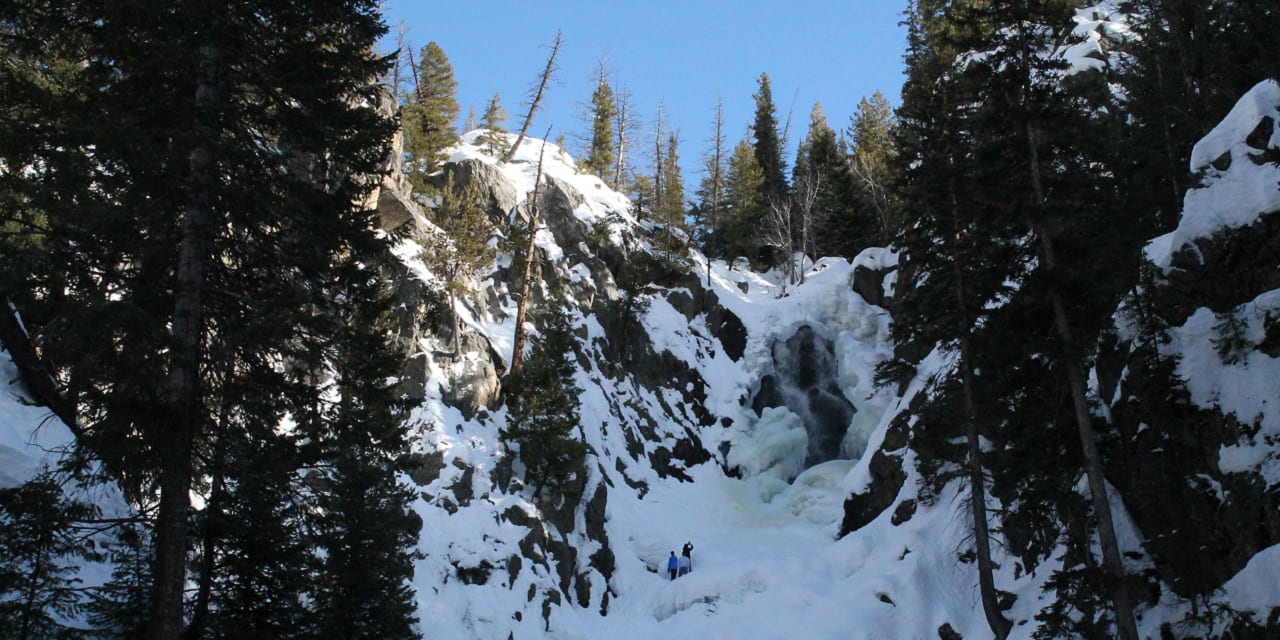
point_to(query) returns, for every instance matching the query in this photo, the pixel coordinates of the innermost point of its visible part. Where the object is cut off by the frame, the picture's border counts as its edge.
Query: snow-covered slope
(679, 454)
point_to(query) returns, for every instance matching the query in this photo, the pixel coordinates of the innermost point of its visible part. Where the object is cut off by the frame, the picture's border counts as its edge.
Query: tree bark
(547, 74)
(517, 349)
(1000, 626)
(181, 422)
(1070, 360)
(1112, 561)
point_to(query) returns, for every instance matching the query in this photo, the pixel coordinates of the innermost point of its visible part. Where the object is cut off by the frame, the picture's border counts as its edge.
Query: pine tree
(542, 414)
(364, 523)
(670, 205)
(743, 212)
(429, 115)
(494, 139)
(841, 226)
(118, 609)
(870, 163)
(201, 230)
(40, 552)
(601, 156)
(458, 254)
(768, 148)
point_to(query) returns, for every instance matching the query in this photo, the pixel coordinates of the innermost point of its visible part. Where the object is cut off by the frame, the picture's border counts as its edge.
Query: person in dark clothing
(688, 553)
(673, 565)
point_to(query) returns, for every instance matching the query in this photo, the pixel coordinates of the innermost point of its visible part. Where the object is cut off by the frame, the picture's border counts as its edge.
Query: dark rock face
(887, 479)
(729, 330)
(1201, 525)
(497, 193)
(869, 283)
(804, 381)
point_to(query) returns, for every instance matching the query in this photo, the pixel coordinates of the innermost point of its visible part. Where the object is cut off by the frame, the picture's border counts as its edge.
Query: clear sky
(680, 53)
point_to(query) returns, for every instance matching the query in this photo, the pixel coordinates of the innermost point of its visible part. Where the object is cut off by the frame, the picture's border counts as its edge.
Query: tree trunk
(1000, 626)
(1111, 560)
(517, 349)
(210, 531)
(547, 73)
(181, 422)
(1070, 361)
(457, 322)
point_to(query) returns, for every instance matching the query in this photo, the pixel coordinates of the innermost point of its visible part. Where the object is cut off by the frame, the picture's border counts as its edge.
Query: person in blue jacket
(673, 565)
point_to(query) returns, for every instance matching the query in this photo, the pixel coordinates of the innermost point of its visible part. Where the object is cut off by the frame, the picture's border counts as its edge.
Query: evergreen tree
(429, 114)
(768, 148)
(601, 156)
(870, 164)
(118, 609)
(542, 412)
(40, 552)
(363, 522)
(202, 229)
(1184, 69)
(743, 212)
(669, 207)
(494, 139)
(842, 228)
(458, 254)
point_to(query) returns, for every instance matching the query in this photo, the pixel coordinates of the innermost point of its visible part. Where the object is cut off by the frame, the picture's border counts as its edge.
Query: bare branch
(535, 100)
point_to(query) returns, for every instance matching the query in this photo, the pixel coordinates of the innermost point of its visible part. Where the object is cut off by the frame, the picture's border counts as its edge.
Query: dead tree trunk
(547, 73)
(517, 349)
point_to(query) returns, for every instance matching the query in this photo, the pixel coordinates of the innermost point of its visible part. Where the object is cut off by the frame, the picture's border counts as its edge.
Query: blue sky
(683, 54)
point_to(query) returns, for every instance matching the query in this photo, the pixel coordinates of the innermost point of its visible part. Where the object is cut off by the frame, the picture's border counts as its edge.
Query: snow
(766, 552)
(1240, 194)
(1247, 388)
(30, 440)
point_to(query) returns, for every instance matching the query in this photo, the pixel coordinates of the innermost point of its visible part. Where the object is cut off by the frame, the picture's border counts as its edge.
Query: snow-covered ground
(767, 561)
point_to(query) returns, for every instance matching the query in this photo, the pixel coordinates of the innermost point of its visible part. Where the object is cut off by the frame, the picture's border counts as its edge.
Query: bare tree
(535, 97)
(778, 230)
(713, 181)
(808, 186)
(872, 176)
(657, 160)
(534, 209)
(625, 124)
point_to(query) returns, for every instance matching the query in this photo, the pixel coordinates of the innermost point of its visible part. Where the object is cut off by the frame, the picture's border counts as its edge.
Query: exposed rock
(475, 382)
(804, 381)
(425, 468)
(887, 479)
(729, 330)
(869, 283)
(945, 632)
(497, 193)
(903, 513)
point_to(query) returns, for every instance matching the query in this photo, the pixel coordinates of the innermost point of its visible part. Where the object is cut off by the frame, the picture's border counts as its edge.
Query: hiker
(673, 565)
(685, 564)
(687, 552)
